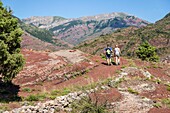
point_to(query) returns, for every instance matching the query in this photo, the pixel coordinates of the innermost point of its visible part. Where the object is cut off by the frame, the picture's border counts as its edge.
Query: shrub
(130, 90)
(36, 97)
(166, 101)
(147, 52)
(65, 91)
(55, 92)
(168, 88)
(157, 105)
(85, 105)
(26, 90)
(32, 98)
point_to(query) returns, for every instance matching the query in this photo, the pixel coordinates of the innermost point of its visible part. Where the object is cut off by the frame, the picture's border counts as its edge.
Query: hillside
(130, 38)
(77, 30)
(33, 43)
(40, 39)
(59, 81)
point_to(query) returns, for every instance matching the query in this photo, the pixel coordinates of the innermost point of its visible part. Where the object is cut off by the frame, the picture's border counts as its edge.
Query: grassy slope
(129, 39)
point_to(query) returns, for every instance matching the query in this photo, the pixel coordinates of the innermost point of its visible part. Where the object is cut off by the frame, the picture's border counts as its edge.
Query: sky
(149, 10)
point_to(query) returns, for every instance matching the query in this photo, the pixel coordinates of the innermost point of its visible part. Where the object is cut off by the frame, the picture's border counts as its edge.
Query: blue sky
(150, 10)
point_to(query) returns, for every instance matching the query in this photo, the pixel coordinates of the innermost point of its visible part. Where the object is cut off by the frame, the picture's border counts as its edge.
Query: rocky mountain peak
(43, 21)
(104, 16)
(76, 30)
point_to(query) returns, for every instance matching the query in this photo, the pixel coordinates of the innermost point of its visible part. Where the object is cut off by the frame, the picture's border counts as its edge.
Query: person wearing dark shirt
(108, 52)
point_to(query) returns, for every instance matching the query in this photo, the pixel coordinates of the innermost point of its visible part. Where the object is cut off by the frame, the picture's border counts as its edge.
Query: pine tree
(147, 52)
(11, 61)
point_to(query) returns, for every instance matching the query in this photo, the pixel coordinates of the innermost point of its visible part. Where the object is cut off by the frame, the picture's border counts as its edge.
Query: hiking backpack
(108, 51)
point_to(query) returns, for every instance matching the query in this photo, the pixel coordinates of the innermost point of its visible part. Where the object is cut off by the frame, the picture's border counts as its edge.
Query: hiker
(117, 55)
(108, 52)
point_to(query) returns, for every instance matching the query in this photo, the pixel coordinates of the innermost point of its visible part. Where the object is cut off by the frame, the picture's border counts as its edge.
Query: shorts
(117, 55)
(108, 56)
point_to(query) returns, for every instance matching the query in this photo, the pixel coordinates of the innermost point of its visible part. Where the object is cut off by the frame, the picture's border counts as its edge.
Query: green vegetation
(168, 88)
(26, 90)
(130, 90)
(65, 91)
(157, 105)
(41, 34)
(58, 18)
(115, 84)
(129, 39)
(116, 22)
(11, 61)
(4, 108)
(85, 105)
(168, 15)
(3, 91)
(163, 102)
(157, 80)
(52, 95)
(32, 98)
(147, 52)
(166, 102)
(37, 97)
(66, 26)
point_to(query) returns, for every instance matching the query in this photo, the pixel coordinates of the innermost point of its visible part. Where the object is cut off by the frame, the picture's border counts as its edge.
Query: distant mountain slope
(41, 34)
(129, 39)
(40, 39)
(33, 43)
(77, 30)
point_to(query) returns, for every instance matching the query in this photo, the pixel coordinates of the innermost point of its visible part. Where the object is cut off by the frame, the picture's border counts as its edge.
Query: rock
(159, 110)
(60, 103)
(132, 104)
(146, 73)
(105, 96)
(6, 112)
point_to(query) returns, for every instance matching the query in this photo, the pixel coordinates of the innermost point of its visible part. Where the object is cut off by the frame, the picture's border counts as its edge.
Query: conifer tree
(11, 61)
(147, 52)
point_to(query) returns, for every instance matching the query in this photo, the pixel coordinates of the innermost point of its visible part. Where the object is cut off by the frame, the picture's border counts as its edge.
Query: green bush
(147, 52)
(85, 105)
(157, 105)
(166, 101)
(168, 88)
(26, 90)
(36, 97)
(32, 98)
(65, 91)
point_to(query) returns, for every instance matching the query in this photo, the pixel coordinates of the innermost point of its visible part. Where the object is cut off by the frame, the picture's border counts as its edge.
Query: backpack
(108, 51)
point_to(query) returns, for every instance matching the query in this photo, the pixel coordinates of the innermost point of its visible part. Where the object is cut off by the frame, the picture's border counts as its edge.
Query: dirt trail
(99, 73)
(40, 63)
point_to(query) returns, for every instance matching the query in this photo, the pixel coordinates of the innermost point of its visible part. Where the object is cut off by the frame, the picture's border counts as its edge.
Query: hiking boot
(109, 64)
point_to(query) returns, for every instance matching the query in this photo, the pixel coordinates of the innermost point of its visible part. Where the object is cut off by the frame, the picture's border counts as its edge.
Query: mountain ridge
(40, 19)
(76, 30)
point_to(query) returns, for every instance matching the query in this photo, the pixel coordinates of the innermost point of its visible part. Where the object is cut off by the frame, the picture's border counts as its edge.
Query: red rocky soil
(45, 72)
